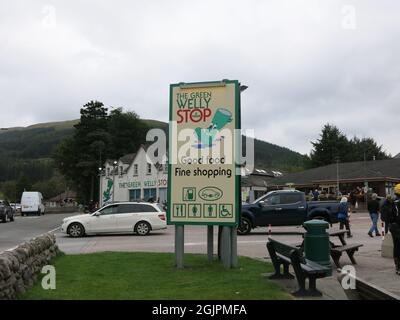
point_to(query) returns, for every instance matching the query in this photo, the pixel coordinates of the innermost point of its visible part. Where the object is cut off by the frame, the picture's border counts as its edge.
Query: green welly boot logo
(206, 136)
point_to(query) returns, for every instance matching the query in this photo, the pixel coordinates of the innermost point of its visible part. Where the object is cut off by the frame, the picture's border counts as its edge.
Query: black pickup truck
(285, 208)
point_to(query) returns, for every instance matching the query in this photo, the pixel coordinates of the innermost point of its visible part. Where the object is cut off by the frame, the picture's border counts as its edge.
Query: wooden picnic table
(337, 250)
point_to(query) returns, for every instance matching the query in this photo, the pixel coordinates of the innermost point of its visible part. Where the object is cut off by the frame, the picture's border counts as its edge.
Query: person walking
(386, 211)
(343, 216)
(373, 209)
(353, 200)
(316, 195)
(394, 227)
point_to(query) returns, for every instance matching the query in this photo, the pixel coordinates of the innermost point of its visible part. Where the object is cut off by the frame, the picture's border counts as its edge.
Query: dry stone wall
(21, 266)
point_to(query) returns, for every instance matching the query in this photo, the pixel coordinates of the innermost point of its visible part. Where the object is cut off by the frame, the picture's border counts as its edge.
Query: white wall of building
(137, 181)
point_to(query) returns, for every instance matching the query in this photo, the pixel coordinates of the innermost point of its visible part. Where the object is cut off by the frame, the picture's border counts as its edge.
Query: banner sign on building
(203, 184)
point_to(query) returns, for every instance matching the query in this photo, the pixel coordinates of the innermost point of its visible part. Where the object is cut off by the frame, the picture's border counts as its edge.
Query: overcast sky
(306, 62)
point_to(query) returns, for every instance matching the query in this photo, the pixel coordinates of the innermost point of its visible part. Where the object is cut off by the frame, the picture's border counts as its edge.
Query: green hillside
(27, 151)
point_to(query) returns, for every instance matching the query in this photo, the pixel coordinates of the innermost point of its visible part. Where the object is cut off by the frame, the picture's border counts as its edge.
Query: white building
(134, 178)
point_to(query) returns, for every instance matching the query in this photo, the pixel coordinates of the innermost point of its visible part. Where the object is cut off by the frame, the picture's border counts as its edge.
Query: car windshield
(261, 198)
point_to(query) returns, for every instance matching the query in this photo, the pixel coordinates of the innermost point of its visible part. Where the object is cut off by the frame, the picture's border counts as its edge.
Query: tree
(333, 145)
(127, 132)
(97, 137)
(368, 149)
(23, 184)
(9, 190)
(78, 157)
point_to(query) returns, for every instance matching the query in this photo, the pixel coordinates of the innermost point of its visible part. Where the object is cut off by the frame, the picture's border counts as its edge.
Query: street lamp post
(114, 166)
(337, 176)
(100, 187)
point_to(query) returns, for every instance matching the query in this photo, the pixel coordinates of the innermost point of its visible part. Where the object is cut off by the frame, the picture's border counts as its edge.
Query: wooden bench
(285, 255)
(336, 251)
(350, 249)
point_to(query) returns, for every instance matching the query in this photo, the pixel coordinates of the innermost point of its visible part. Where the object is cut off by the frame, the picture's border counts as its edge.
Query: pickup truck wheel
(245, 227)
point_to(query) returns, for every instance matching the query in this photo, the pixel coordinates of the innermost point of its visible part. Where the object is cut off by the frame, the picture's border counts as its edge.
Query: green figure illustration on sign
(107, 193)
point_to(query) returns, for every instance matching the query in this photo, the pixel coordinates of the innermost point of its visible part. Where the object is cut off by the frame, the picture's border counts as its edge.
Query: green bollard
(316, 243)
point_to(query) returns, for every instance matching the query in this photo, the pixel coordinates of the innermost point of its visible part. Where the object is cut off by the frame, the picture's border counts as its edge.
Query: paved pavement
(371, 266)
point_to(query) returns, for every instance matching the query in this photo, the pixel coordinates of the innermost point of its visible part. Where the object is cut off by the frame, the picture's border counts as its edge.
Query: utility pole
(337, 159)
(113, 188)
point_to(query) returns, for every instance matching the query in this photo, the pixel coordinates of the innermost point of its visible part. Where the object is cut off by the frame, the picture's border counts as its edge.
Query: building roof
(65, 195)
(351, 171)
(254, 181)
(128, 158)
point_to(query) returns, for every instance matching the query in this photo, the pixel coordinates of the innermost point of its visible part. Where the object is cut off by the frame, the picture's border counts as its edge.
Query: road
(371, 266)
(26, 228)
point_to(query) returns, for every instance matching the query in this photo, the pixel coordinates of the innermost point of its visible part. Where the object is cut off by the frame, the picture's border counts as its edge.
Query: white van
(32, 202)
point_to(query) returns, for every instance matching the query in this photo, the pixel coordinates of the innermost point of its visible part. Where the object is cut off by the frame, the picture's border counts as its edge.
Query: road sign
(203, 148)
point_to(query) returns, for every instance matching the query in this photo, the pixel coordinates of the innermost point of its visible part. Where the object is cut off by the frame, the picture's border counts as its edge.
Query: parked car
(285, 208)
(118, 217)
(32, 202)
(6, 211)
(16, 207)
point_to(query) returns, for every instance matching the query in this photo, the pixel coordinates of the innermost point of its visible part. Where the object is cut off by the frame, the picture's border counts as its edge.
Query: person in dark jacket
(343, 216)
(353, 200)
(394, 227)
(315, 195)
(374, 209)
(386, 211)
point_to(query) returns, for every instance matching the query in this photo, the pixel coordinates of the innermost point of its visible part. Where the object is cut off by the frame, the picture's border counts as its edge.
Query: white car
(119, 217)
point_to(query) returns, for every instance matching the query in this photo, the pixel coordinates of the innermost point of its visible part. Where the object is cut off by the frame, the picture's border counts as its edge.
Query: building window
(148, 171)
(135, 169)
(150, 194)
(135, 195)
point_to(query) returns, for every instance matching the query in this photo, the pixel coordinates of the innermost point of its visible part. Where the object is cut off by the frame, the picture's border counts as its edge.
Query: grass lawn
(135, 275)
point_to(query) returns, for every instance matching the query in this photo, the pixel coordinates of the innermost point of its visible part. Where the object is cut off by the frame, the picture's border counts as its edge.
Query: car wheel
(245, 226)
(142, 228)
(76, 230)
(12, 218)
(4, 220)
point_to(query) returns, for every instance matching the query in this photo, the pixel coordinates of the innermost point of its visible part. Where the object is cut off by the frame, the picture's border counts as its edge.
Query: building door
(150, 194)
(162, 194)
(135, 195)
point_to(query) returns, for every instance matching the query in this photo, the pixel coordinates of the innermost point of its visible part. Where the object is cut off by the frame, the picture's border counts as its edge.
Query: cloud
(302, 62)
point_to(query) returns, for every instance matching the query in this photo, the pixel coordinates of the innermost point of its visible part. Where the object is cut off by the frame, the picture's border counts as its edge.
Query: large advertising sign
(203, 184)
